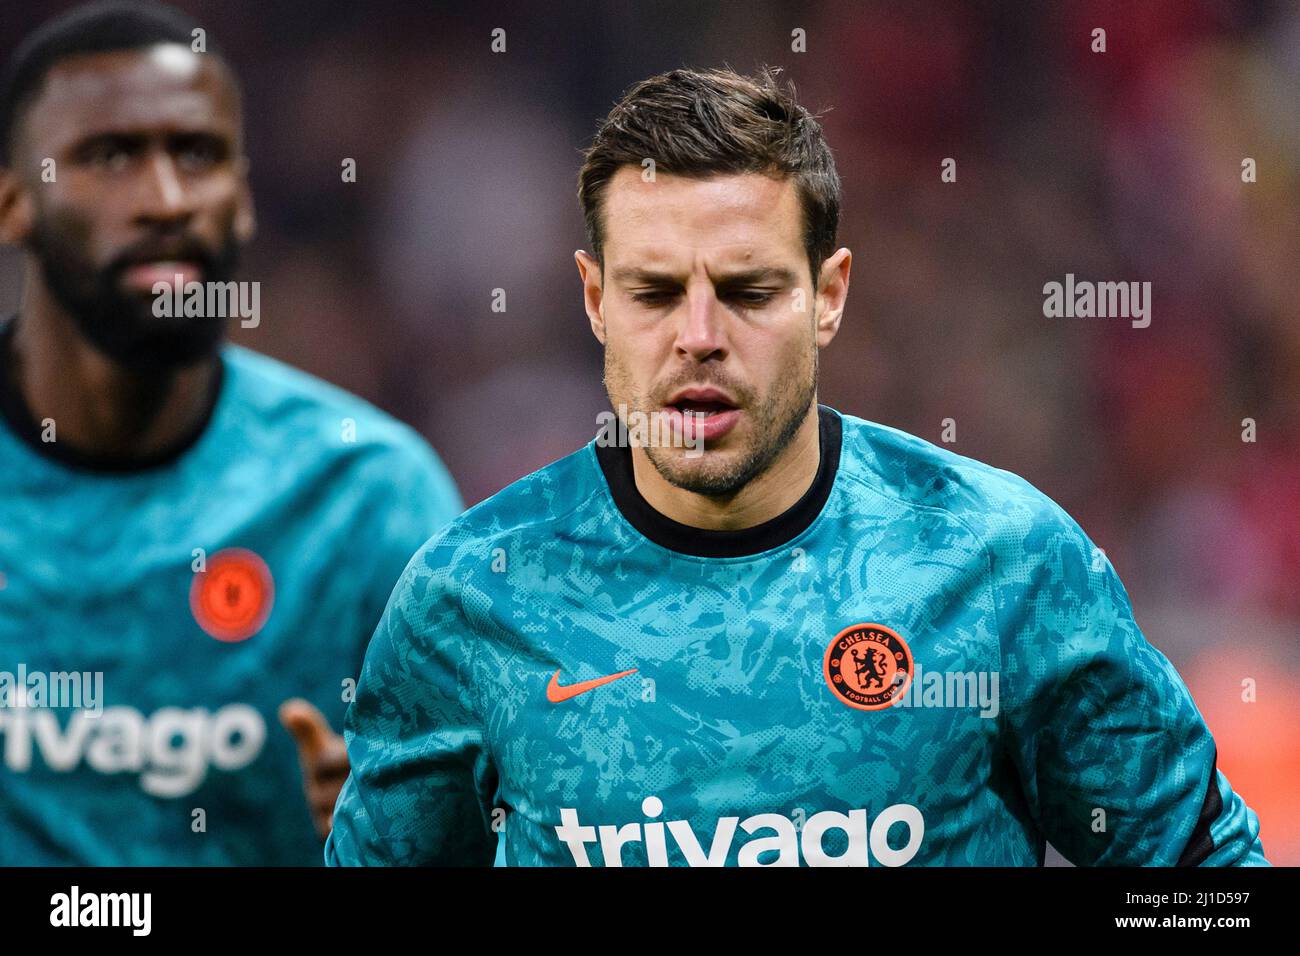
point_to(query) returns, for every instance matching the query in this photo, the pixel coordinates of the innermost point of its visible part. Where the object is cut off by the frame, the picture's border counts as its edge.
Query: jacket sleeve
(1115, 760)
(422, 783)
(415, 497)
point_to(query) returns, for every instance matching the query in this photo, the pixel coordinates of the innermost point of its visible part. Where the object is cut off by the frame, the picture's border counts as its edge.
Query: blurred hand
(323, 756)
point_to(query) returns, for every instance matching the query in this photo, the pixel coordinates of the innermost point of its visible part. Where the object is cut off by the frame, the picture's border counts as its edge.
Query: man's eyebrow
(630, 274)
(141, 134)
(759, 275)
(635, 274)
(106, 137)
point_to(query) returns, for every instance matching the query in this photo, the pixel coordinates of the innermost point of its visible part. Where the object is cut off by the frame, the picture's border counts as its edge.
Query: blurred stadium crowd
(1122, 166)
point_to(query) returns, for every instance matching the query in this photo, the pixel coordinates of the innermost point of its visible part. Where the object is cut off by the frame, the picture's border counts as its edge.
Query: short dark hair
(702, 123)
(100, 27)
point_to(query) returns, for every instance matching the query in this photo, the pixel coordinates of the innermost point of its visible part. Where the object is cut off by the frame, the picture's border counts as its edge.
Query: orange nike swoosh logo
(555, 693)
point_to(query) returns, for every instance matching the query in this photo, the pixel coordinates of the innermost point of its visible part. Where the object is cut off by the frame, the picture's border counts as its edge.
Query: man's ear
(245, 212)
(17, 209)
(592, 293)
(832, 293)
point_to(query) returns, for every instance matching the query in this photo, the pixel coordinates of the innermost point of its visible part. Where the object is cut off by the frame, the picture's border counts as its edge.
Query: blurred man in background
(193, 538)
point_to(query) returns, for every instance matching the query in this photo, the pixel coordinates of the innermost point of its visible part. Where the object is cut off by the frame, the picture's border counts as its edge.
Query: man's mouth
(701, 402)
(144, 276)
(702, 413)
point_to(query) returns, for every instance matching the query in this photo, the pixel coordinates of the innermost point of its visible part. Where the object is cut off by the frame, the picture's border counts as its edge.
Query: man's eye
(652, 297)
(198, 155)
(752, 297)
(110, 157)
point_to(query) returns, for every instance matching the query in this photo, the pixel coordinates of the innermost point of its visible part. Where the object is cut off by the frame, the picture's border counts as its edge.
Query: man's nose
(161, 194)
(701, 334)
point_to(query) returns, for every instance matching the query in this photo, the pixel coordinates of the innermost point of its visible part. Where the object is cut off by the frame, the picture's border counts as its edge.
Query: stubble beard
(773, 423)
